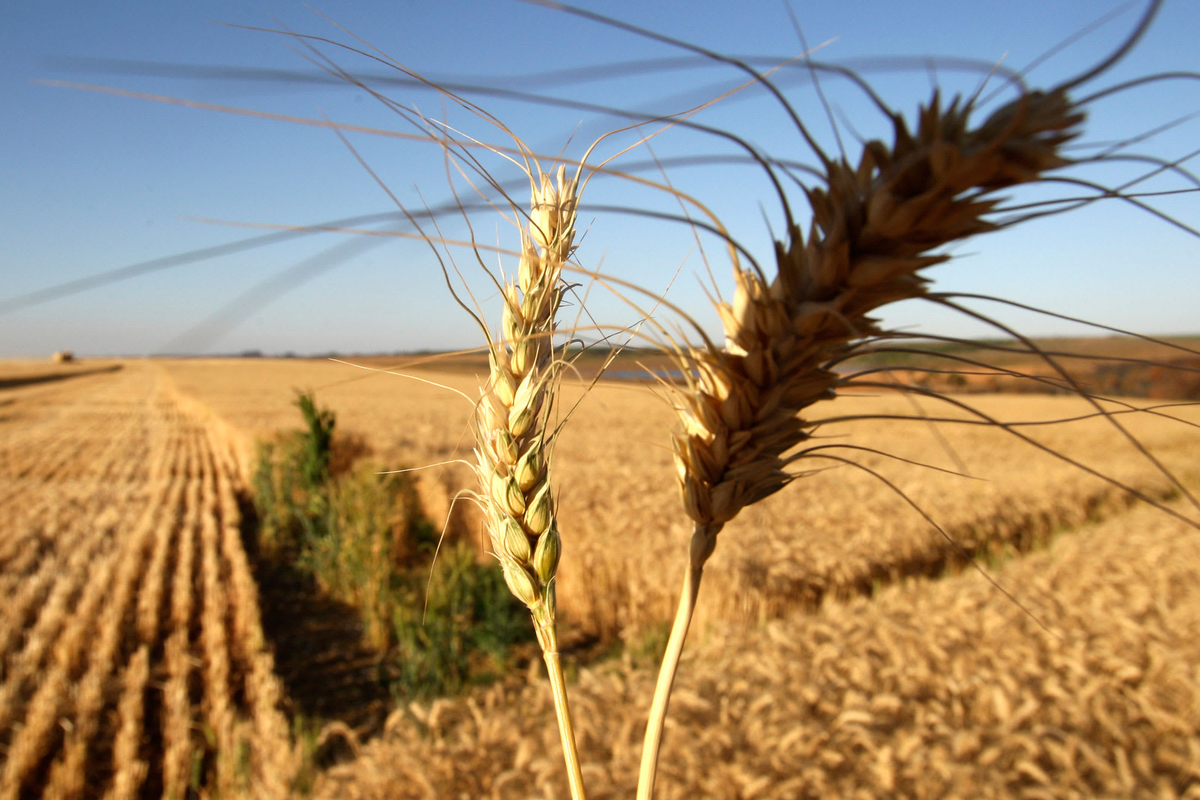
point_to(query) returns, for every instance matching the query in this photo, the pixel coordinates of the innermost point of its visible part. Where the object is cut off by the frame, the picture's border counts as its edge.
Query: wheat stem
(513, 435)
(701, 541)
(547, 634)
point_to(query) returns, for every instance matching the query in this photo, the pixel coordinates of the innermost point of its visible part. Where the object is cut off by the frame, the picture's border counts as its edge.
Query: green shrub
(280, 498)
(317, 441)
(442, 624)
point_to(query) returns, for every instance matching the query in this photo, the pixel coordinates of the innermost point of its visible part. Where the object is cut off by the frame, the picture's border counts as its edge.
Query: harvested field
(1111, 366)
(22, 372)
(133, 652)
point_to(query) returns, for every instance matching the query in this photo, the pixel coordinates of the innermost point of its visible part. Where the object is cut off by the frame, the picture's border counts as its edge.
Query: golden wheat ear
(875, 226)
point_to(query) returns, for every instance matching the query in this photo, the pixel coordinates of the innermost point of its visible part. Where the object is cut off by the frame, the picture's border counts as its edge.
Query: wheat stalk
(513, 438)
(875, 226)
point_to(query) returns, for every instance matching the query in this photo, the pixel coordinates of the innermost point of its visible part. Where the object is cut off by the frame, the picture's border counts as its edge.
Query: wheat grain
(512, 436)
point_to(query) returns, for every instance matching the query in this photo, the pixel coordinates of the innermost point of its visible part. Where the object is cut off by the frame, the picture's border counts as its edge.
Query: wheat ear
(513, 439)
(874, 229)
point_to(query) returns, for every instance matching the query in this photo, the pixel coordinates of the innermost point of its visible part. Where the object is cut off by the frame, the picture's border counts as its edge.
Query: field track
(133, 660)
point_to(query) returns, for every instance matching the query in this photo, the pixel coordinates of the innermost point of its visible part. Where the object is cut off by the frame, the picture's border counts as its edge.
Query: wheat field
(927, 587)
(840, 653)
(837, 533)
(931, 689)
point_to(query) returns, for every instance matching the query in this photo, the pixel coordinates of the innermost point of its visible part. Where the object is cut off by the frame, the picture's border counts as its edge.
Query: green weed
(442, 625)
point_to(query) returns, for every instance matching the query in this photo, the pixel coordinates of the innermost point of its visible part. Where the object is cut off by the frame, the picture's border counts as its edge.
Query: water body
(644, 374)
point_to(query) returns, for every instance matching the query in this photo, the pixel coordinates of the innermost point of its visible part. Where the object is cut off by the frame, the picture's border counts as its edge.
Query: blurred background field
(841, 646)
(840, 532)
(929, 689)
(896, 685)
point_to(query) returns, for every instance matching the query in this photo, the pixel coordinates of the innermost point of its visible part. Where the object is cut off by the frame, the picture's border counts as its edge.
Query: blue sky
(96, 182)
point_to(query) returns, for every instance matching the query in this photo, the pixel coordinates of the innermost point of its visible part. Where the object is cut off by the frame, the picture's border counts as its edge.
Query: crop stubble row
(134, 654)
